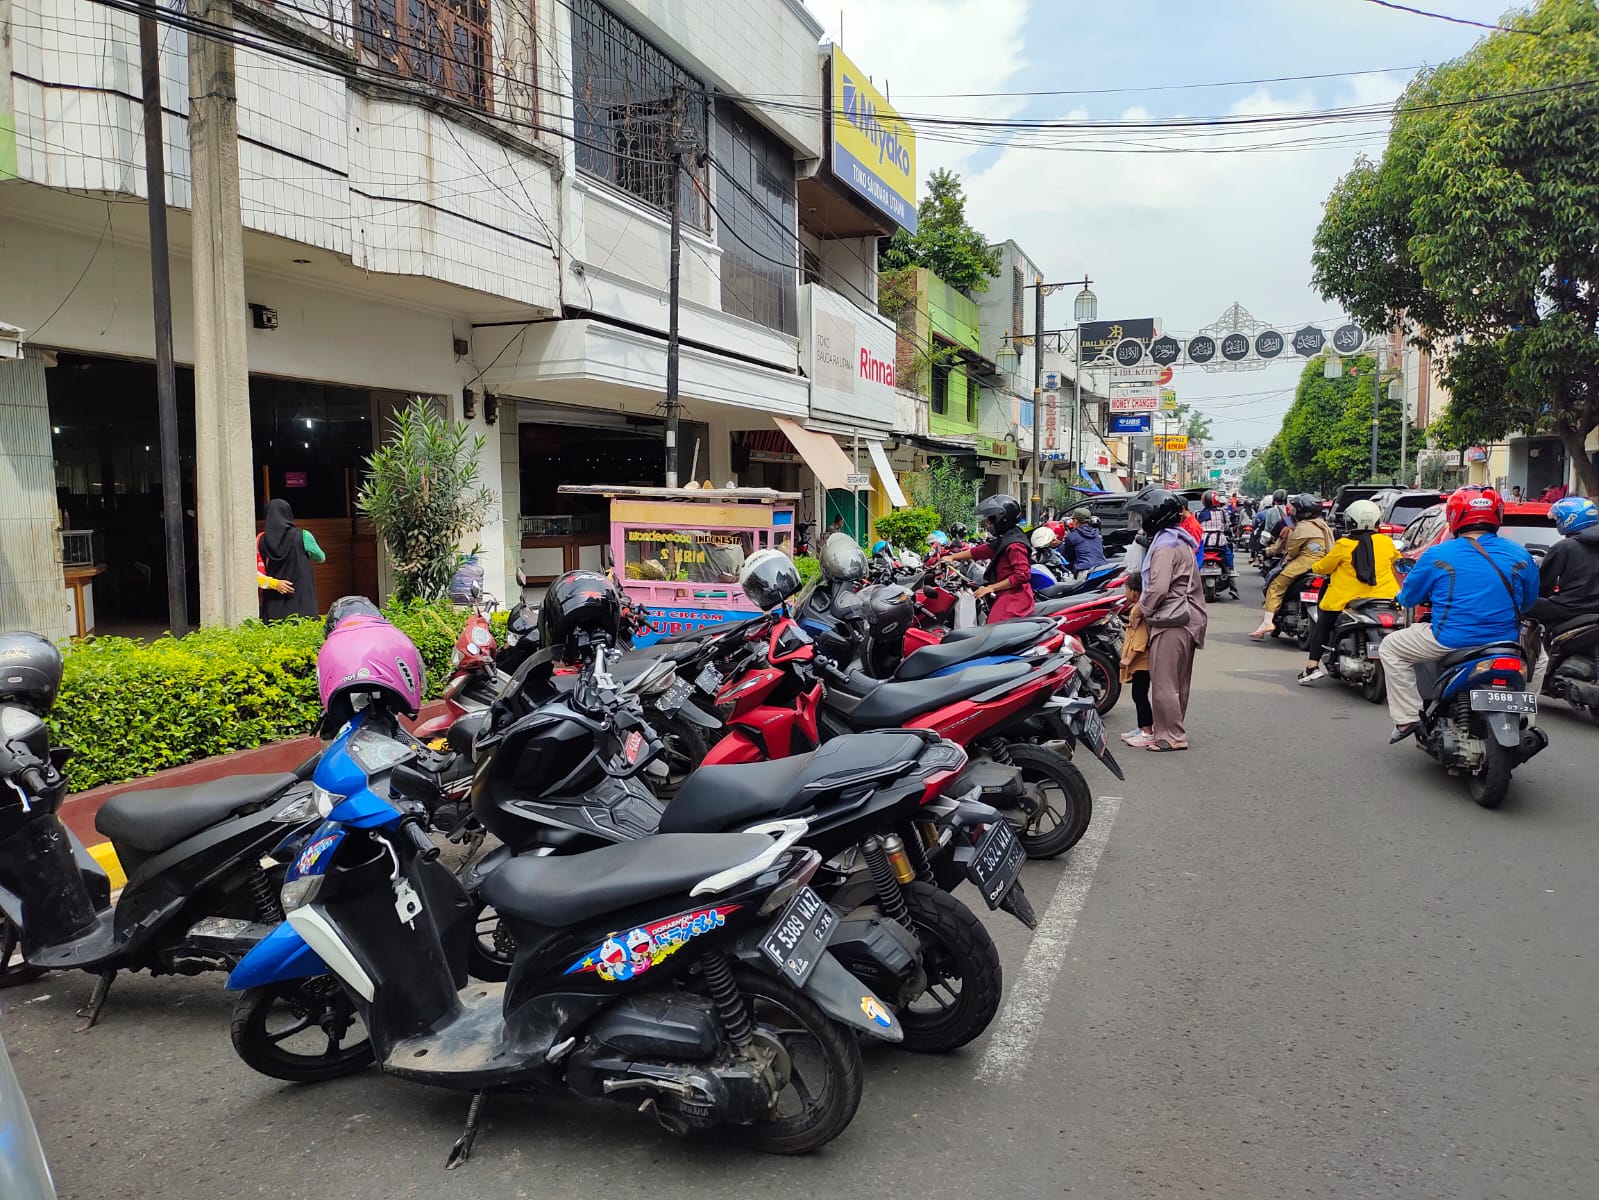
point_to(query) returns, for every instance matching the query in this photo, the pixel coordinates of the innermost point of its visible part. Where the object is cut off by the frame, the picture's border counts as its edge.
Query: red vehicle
(781, 707)
(1528, 522)
(474, 679)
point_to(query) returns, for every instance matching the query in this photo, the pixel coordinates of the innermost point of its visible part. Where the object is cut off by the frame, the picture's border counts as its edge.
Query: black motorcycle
(1352, 653)
(197, 897)
(1574, 663)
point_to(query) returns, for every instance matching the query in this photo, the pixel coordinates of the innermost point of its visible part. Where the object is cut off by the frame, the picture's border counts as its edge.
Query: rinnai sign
(874, 149)
(849, 355)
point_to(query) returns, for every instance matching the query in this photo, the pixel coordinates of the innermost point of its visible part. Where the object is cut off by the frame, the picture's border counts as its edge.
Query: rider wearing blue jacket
(1082, 549)
(1478, 584)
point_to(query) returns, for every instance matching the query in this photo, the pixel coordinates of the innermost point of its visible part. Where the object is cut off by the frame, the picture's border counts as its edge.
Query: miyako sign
(848, 354)
(874, 150)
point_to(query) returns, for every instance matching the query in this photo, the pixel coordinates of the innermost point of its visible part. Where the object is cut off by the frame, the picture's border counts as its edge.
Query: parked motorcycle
(1474, 717)
(690, 972)
(1352, 653)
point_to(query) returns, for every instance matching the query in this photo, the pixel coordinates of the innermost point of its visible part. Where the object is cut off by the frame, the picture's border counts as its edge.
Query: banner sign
(1248, 340)
(873, 149)
(1051, 419)
(1100, 338)
(1130, 424)
(1171, 441)
(1134, 404)
(850, 356)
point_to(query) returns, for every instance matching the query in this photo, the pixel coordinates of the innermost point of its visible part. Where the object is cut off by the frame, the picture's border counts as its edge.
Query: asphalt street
(1291, 962)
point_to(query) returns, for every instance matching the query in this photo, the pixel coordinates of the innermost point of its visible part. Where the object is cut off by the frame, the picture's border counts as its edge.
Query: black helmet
(1001, 510)
(1164, 510)
(768, 578)
(1280, 497)
(349, 606)
(889, 610)
(581, 607)
(1211, 499)
(30, 671)
(958, 529)
(1305, 506)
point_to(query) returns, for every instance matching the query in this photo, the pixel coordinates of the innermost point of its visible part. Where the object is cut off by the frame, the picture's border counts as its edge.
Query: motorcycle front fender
(1506, 729)
(280, 956)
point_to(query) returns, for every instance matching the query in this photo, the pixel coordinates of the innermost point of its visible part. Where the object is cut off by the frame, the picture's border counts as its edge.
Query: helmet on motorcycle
(1044, 537)
(889, 611)
(879, 547)
(843, 559)
(1001, 511)
(938, 538)
(1305, 506)
(366, 659)
(1363, 514)
(1574, 514)
(768, 578)
(1474, 507)
(958, 529)
(30, 671)
(579, 605)
(348, 606)
(1164, 510)
(1279, 497)
(1211, 499)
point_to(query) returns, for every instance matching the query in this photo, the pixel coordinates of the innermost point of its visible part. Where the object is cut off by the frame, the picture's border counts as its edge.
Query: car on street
(1528, 523)
(1400, 508)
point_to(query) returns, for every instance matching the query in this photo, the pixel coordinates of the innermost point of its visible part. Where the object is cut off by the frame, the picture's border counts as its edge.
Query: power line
(1436, 16)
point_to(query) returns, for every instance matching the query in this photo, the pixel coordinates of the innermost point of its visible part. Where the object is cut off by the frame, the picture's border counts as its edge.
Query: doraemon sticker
(875, 1012)
(632, 952)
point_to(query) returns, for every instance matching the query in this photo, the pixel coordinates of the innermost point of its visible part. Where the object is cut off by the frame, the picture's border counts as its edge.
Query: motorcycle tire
(1302, 634)
(1210, 591)
(833, 1099)
(1042, 766)
(1375, 688)
(956, 949)
(686, 747)
(262, 1050)
(489, 955)
(1104, 679)
(14, 974)
(1490, 785)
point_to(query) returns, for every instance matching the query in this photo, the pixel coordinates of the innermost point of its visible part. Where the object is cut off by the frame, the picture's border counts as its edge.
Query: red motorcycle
(787, 699)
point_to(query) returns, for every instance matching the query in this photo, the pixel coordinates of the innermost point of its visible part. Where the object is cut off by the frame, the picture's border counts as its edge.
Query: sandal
(1162, 746)
(1260, 635)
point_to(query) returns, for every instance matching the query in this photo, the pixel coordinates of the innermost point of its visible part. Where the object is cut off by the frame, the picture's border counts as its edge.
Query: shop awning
(821, 453)
(885, 472)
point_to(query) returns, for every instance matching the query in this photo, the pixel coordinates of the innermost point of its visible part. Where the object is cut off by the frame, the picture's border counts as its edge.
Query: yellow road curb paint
(105, 854)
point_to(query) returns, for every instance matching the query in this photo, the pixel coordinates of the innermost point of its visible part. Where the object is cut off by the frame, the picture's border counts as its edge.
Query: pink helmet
(366, 655)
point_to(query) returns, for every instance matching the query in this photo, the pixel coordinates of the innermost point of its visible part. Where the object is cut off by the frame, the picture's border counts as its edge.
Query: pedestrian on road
(283, 556)
(1135, 649)
(1478, 585)
(1358, 566)
(1173, 605)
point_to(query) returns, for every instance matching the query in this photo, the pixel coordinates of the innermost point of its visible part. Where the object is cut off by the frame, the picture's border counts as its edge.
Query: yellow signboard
(1171, 441)
(874, 149)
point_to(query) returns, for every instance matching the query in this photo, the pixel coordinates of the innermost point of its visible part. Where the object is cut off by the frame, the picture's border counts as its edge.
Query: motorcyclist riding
(1568, 577)
(1302, 544)
(1269, 521)
(1360, 564)
(1082, 549)
(1478, 585)
(1009, 557)
(1213, 515)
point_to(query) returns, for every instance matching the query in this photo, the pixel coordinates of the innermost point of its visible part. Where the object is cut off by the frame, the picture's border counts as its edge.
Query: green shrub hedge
(128, 708)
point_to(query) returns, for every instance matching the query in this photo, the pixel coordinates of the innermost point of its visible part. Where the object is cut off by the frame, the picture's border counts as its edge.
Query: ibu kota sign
(873, 149)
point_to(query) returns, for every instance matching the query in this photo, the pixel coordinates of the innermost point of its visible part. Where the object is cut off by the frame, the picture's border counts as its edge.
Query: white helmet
(1044, 537)
(1363, 514)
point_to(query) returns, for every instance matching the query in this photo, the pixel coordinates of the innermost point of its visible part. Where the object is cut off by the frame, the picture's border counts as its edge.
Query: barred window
(631, 104)
(757, 221)
(443, 43)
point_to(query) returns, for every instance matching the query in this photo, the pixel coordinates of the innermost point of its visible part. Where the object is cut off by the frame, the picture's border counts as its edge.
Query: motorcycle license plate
(998, 862)
(796, 942)
(675, 696)
(1489, 700)
(708, 680)
(1374, 650)
(1309, 597)
(1092, 730)
(1209, 570)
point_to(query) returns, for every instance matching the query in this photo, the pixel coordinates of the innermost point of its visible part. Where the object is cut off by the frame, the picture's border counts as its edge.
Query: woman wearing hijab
(1172, 601)
(1358, 566)
(283, 556)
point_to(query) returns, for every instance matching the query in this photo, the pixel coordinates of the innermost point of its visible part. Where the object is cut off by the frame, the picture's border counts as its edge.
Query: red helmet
(1212, 500)
(1474, 507)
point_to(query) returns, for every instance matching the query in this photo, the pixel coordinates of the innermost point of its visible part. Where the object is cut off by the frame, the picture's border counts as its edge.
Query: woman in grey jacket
(1173, 606)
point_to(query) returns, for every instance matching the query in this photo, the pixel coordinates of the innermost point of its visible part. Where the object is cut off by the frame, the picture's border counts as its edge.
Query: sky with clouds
(1176, 227)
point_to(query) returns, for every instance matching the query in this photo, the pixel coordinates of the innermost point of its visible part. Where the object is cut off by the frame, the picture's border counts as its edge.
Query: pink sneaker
(1137, 739)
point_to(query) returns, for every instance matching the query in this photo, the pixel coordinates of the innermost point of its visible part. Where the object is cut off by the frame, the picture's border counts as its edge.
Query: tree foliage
(947, 489)
(1256, 480)
(424, 493)
(1479, 229)
(1325, 440)
(944, 242)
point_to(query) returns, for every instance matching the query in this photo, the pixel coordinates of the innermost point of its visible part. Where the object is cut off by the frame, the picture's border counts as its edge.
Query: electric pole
(1038, 391)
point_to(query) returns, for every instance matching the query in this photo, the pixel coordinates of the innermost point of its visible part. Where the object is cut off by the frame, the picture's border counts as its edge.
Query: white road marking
(1017, 1026)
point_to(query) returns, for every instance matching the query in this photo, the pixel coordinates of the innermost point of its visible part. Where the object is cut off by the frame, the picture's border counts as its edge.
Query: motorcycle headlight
(324, 800)
(299, 810)
(297, 893)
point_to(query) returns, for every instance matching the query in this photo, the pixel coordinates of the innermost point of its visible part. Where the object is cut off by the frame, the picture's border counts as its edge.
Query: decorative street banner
(1129, 424)
(1235, 341)
(1101, 338)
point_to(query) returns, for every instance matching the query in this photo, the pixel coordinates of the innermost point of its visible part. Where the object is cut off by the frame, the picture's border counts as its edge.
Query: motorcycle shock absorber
(999, 751)
(916, 854)
(730, 1006)
(268, 906)
(885, 879)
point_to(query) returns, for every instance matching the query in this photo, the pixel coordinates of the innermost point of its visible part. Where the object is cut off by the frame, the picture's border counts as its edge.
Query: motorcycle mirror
(521, 577)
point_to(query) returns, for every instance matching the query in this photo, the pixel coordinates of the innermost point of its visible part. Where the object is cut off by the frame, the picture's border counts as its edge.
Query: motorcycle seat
(1069, 587)
(894, 705)
(1365, 603)
(977, 631)
(560, 890)
(1455, 657)
(1586, 621)
(1053, 608)
(1005, 638)
(156, 819)
(736, 795)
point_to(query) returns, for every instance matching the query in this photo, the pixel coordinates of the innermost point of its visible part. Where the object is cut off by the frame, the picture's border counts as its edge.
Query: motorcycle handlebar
(33, 779)
(412, 827)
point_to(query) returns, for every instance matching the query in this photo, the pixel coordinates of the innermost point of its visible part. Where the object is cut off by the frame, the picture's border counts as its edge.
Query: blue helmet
(1574, 514)
(938, 538)
(878, 547)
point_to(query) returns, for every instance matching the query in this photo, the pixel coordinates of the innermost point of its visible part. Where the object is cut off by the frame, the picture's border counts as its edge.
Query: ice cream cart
(678, 551)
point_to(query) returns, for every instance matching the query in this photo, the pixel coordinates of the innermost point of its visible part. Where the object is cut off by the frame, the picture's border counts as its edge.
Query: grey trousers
(1171, 670)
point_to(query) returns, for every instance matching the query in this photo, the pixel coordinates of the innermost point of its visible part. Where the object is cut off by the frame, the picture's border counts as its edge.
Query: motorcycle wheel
(492, 949)
(1489, 786)
(823, 1057)
(685, 748)
(13, 970)
(1210, 591)
(1302, 634)
(1375, 687)
(961, 962)
(266, 1017)
(1068, 805)
(1104, 679)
